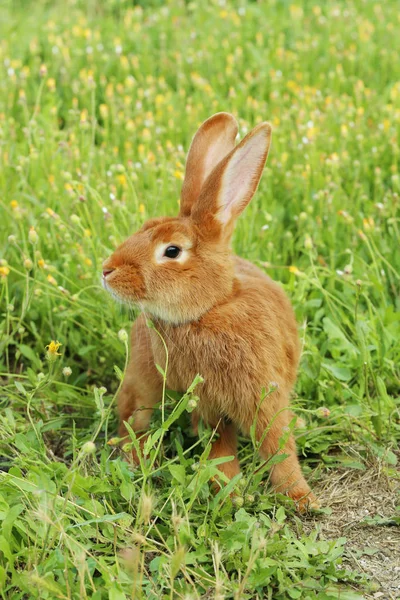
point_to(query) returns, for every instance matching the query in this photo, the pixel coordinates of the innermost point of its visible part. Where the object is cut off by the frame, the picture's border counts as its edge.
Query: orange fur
(218, 314)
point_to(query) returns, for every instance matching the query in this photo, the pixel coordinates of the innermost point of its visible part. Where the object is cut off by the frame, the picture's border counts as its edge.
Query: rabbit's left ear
(233, 182)
(212, 142)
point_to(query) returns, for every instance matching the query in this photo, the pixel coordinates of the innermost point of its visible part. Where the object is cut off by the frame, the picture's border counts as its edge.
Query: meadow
(98, 104)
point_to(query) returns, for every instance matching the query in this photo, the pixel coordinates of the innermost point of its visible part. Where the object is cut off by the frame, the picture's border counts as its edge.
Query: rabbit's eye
(172, 252)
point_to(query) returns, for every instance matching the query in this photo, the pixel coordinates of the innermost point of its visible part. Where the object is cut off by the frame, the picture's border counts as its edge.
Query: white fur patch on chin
(150, 309)
(120, 299)
(164, 313)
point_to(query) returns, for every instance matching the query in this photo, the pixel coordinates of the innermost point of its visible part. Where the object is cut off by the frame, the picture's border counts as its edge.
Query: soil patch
(364, 511)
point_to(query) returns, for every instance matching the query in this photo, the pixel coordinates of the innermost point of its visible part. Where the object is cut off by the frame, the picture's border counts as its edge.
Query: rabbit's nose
(107, 272)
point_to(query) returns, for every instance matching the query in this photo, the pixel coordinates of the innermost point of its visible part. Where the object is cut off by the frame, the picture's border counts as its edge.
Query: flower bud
(113, 441)
(237, 501)
(75, 219)
(323, 412)
(33, 236)
(308, 244)
(146, 507)
(89, 448)
(122, 335)
(191, 405)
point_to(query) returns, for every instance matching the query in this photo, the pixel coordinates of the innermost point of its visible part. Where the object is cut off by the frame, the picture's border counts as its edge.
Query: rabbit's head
(177, 268)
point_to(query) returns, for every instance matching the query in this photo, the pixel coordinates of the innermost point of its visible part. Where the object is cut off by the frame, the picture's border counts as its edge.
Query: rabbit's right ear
(212, 142)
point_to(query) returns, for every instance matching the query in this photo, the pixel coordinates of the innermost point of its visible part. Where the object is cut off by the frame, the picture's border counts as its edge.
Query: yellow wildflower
(146, 134)
(296, 12)
(4, 271)
(122, 180)
(84, 116)
(51, 84)
(293, 269)
(368, 223)
(52, 350)
(103, 110)
(51, 280)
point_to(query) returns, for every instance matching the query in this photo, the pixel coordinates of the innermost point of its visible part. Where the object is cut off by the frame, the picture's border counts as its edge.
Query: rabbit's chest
(230, 368)
(183, 363)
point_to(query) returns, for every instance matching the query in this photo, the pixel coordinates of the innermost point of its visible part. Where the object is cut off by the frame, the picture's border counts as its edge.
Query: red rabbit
(218, 314)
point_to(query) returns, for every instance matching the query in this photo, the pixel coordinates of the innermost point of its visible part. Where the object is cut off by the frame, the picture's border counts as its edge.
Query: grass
(98, 103)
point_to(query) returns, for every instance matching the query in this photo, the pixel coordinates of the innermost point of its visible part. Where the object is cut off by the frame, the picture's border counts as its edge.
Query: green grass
(98, 103)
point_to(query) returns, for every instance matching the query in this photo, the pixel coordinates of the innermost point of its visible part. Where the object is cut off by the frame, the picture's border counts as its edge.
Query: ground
(363, 505)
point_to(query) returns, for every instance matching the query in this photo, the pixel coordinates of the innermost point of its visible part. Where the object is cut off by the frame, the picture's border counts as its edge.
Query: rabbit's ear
(212, 142)
(233, 182)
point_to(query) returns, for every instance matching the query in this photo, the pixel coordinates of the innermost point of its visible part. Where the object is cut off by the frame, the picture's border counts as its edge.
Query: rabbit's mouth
(124, 281)
(120, 295)
(112, 292)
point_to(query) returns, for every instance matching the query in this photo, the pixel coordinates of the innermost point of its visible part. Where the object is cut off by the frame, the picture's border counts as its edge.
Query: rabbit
(218, 314)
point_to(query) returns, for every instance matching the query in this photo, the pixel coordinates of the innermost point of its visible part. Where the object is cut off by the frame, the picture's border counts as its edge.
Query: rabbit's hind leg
(223, 444)
(226, 445)
(286, 476)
